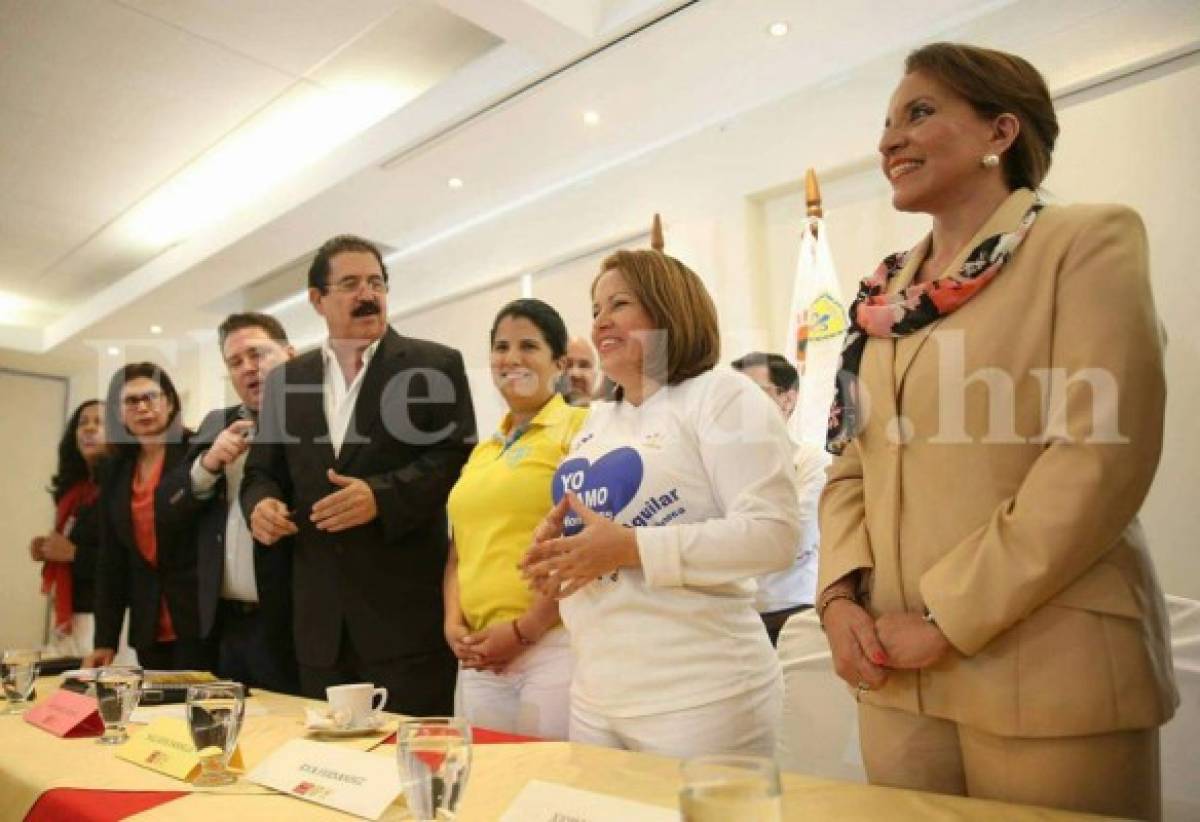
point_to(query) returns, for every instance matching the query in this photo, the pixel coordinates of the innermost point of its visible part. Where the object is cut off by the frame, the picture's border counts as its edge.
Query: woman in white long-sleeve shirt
(672, 498)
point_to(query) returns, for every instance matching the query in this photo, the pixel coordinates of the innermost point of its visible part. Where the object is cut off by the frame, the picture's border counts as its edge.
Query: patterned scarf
(875, 313)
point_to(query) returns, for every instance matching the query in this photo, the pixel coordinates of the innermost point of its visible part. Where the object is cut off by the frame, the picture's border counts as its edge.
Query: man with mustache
(245, 589)
(359, 443)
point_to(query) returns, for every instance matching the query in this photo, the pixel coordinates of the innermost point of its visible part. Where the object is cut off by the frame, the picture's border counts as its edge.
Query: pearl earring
(990, 160)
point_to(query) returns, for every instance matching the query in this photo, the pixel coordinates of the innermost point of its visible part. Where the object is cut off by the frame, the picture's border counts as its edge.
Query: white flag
(816, 329)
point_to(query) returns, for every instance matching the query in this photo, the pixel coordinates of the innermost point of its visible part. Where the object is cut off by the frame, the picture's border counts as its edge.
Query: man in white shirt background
(245, 589)
(359, 443)
(787, 592)
(579, 373)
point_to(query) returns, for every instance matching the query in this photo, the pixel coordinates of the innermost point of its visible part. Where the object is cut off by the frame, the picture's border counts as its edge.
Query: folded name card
(67, 714)
(542, 801)
(165, 745)
(352, 781)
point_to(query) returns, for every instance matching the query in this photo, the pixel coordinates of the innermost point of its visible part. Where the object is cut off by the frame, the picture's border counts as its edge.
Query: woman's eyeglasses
(132, 401)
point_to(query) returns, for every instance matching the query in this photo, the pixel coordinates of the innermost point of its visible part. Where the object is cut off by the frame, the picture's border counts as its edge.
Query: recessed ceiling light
(156, 329)
(455, 182)
(113, 351)
(779, 29)
(591, 118)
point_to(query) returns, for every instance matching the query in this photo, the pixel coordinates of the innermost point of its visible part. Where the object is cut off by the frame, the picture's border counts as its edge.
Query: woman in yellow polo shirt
(514, 655)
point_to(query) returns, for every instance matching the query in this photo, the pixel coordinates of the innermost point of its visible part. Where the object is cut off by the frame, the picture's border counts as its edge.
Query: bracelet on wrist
(521, 638)
(825, 602)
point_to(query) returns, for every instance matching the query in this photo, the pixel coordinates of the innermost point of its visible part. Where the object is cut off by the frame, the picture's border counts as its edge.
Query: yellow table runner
(34, 761)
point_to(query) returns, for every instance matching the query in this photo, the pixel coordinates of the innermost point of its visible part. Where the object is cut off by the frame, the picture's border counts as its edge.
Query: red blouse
(142, 509)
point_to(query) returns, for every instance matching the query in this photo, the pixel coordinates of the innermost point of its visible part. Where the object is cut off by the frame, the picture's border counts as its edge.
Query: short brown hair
(251, 319)
(677, 302)
(318, 272)
(995, 83)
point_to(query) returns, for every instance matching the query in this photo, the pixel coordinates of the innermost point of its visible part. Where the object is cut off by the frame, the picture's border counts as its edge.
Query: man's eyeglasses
(351, 285)
(132, 401)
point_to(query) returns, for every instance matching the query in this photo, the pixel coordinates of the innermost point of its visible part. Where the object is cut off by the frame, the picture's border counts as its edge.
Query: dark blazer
(124, 578)
(272, 565)
(85, 535)
(412, 429)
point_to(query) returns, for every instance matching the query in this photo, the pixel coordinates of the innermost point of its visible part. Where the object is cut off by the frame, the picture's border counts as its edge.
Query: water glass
(721, 788)
(434, 757)
(118, 691)
(18, 672)
(215, 711)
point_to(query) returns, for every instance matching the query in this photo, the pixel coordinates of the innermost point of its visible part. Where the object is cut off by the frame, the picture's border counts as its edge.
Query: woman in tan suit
(985, 584)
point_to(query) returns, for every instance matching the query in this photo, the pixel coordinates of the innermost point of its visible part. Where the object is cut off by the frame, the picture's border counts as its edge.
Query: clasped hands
(866, 649)
(53, 547)
(495, 647)
(353, 504)
(557, 566)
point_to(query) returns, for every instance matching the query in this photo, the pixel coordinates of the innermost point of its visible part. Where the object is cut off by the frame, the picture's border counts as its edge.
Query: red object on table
(63, 804)
(88, 805)
(67, 714)
(486, 736)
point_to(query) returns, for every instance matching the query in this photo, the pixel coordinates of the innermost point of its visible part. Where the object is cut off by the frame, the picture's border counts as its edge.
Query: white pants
(78, 642)
(531, 697)
(742, 724)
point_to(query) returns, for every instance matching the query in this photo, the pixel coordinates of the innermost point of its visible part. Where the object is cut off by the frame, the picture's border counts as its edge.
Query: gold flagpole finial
(812, 194)
(656, 234)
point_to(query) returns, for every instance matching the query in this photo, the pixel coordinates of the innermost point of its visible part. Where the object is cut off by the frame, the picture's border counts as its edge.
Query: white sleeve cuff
(203, 480)
(662, 565)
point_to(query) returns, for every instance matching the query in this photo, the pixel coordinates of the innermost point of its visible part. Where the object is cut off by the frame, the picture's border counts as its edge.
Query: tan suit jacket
(997, 479)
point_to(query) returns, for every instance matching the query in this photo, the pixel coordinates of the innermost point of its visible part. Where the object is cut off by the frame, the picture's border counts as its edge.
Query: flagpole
(812, 195)
(817, 323)
(656, 234)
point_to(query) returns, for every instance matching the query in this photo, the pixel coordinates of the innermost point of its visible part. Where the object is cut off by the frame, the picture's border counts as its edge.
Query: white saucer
(375, 726)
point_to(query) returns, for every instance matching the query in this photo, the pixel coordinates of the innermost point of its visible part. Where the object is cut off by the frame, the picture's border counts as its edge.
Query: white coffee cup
(355, 705)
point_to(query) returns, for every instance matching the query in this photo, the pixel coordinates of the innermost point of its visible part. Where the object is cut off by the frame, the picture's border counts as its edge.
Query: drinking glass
(721, 788)
(18, 672)
(215, 711)
(434, 757)
(118, 690)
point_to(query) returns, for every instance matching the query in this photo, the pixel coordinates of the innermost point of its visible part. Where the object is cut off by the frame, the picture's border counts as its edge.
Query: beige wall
(34, 411)
(464, 324)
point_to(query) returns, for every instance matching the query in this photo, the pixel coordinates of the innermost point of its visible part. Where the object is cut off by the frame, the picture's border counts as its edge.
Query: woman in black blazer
(147, 552)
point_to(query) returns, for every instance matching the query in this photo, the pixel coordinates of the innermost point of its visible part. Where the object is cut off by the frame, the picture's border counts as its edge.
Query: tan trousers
(1116, 774)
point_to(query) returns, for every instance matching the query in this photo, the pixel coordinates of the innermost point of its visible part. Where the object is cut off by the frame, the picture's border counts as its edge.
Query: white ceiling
(102, 102)
(109, 108)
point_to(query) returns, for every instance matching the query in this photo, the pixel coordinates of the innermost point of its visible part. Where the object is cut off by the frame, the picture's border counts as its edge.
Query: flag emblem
(826, 318)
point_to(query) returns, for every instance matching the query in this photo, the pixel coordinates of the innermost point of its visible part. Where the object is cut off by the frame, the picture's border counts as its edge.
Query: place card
(542, 801)
(67, 714)
(165, 745)
(352, 781)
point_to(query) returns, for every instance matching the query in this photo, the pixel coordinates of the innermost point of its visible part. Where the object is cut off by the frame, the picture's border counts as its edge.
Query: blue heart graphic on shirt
(605, 486)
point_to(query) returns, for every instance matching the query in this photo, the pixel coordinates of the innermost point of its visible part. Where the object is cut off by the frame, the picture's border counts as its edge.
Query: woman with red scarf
(69, 551)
